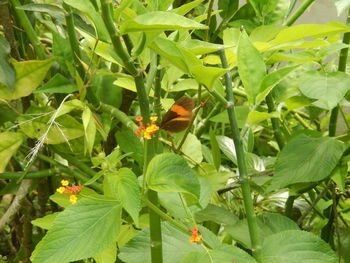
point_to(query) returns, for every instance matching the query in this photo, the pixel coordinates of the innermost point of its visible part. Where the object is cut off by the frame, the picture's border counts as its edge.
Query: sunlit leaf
(9, 143)
(82, 230)
(159, 21)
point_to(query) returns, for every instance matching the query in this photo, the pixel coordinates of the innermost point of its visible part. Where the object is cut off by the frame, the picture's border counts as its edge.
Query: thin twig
(313, 204)
(15, 205)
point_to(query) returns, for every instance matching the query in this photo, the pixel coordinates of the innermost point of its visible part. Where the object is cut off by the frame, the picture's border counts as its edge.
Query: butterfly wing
(179, 115)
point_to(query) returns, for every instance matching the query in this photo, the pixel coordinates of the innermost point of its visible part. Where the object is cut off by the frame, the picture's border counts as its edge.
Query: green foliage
(306, 159)
(169, 172)
(296, 246)
(80, 231)
(260, 175)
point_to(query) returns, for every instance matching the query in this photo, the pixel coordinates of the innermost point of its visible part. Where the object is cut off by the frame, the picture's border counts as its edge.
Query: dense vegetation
(250, 165)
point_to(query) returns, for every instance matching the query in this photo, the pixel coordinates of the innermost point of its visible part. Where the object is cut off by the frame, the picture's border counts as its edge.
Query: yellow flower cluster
(146, 132)
(73, 190)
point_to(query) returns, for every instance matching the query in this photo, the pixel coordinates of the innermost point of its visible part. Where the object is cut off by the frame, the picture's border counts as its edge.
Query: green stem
(155, 226)
(73, 40)
(301, 9)
(245, 184)
(255, 7)
(29, 175)
(343, 57)
(207, 21)
(275, 122)
(165, 216)
(289, 206)
(121, 116)
(215, 110)
(184, 137)
(65, 169)
(152, 73)
(27, 26)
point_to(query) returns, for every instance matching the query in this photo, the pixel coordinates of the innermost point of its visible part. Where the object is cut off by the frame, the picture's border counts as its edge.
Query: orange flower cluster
(146, 132)
(72, 190)
(196, 237)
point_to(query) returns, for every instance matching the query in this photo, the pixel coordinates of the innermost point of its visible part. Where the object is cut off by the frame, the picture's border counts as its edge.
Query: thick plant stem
(301, 9)
(6, 22)
(288, 211)
(245, 184)
(207, 21)
(27, 26)
(341, 67)
(30, 175)
(131, 68)
(121, 116)
(73, 40)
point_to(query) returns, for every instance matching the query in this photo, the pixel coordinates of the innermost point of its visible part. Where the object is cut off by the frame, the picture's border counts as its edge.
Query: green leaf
(106, 91)
(160, 5)
(216, 179)
(344, 236)
(328, 88)
(89, 10)
(130, 143)
(227, 146)
(224, 253)
(300, 56)
(187, 61)
(159, 21)
(185, 84)
(297, 32)
(228, 7)
(271, 80)
(175, 246)
(45, 222)
(57, 84)
(29, 75)
(7, 72)
(9, 143)
(268, 224)
(241, 113)
(274, 11)
(215, 150)
(67, 127)
(89, 128)
(251, 67)
(305, 159)
(109, 255)
(53, 10)
(169, 172)
(216, 214)
(254, 117)
(82, 230)
(124, 186)
(185, 8)
(192, 148)
(198, 47)
(296, 246)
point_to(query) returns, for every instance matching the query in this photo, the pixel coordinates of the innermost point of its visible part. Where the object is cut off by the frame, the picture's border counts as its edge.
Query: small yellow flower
(147, 135)
(152, 128)
(64, 182)
(60, 189)
(73, 199)
(154, 118)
